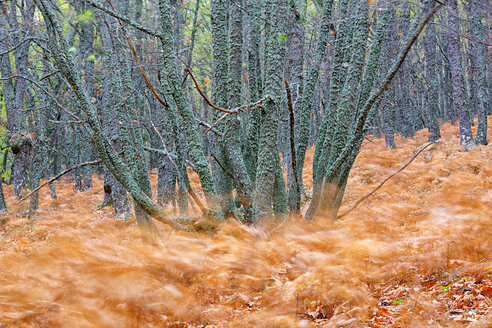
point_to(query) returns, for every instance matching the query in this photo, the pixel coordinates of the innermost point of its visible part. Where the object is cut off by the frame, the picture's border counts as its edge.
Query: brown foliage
(387, 264)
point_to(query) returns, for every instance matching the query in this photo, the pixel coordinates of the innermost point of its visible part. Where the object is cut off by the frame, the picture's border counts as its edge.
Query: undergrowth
(415, 254)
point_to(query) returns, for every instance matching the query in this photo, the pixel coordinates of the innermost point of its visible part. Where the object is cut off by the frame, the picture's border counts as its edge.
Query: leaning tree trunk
(64, 62)
(347, 154)
(346, 108)
(132, 142)
(190, 129)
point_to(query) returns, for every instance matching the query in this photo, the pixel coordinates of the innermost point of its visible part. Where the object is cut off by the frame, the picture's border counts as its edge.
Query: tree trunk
(480, 70)
(457, 77)
(432, 96)
(267, 176)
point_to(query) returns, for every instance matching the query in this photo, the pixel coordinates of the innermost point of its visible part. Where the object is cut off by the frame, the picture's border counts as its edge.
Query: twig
(165, 147)
(48, 75)
(223, 168)
(140, 67)
(208, 126)
(255, 104)
(216, 122)
(190, 163)
(75, 117)
(236, 111)
(178, 173)
(383, 182)
(17, 45)
(59, 176)
(127, 20)
(227, 111)
(482, 260)
(205, 97)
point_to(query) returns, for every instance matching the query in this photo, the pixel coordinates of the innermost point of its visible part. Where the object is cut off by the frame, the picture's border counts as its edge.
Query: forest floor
(415, 254)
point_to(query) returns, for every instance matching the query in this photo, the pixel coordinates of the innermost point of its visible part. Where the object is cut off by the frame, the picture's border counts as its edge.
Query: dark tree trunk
(480, 70)
(432, 96)
(457, 78)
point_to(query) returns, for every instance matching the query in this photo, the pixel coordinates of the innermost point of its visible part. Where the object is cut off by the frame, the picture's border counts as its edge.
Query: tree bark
(457, 78)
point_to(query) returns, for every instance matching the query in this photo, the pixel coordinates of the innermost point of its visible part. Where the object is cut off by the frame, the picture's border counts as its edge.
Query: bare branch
(205, 97)
(75, 117)
(217, 122)
(200, 205)
(59, 176)
(48, 75)
(223, 168)
(237, 110)
(384, 181)
(123, 18)
(135, 56)
(208, 126)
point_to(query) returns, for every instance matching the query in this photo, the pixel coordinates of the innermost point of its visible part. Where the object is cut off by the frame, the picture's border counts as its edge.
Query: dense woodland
(196, 113)
(225, 87)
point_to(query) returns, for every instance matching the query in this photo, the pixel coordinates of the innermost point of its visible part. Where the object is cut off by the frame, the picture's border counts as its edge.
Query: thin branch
(237, 110)
(124, 19)
(17, 45)
(75, 117)
(255, 104)
(165, 147)
(208, 126)
(384, 181)
(205, 97)
(178, 173)
(226, 111)
(464, 265)
(135, 56)
(223, 168)
(48, 75)
(191, 165)
(59, 176)
(217, 122)
(157, 151)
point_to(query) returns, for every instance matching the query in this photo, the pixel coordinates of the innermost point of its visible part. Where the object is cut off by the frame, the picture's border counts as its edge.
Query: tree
(228, 89)
(457, 78)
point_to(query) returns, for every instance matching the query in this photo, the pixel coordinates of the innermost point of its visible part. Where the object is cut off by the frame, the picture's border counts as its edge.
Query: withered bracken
(75, 266)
